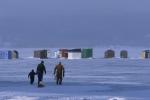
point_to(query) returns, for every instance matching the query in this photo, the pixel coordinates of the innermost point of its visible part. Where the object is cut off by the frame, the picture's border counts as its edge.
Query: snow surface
(85, 79)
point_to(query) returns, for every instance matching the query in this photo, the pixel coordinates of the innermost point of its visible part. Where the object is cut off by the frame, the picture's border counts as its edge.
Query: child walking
(31, 75)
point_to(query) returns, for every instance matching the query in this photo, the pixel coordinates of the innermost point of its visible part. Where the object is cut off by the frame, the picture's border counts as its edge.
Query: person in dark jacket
(59, 72)
(40, 71)
(31, 75)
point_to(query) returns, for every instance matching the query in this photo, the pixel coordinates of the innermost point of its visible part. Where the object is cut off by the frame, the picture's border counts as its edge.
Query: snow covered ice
(85, 79)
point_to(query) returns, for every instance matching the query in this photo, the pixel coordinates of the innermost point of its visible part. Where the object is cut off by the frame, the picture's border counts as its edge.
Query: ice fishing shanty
(9, 54)
(109, 54)
(53, 54)
(42, 54)
(63, 53)
(145, 54)
(123, 54)
(87, 53)
(74, 54)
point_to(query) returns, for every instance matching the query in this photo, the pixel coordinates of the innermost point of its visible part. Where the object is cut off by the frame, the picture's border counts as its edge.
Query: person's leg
(57, 80)
(32, 81)
(60, 80)
(39, 79)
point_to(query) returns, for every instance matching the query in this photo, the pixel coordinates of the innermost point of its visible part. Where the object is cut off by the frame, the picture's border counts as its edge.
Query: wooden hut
(109, 54)
(63, 53)
(145, 54)
(42, 54)
(123, 54)
(15, 54)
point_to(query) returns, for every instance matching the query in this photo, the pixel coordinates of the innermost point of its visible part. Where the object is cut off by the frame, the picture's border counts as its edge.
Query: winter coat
(31, 75)
(59, 71)
(41, 69)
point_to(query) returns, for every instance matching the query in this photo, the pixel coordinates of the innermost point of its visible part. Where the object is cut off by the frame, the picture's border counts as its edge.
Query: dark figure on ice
(59, 72)
(31, 76)
(40, 70)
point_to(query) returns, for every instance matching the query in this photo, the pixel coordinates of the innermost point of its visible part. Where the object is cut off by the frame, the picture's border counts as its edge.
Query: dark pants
(31, 80)
(59, 79)
(40, 77)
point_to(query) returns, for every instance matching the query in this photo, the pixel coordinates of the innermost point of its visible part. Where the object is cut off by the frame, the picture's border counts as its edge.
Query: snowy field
(86, 79)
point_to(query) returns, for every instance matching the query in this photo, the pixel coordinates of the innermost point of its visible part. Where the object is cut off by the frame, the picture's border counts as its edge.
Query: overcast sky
(74, 23)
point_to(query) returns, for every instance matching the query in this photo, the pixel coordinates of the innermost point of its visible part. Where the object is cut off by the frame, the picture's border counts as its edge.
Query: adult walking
(59, 73)
(40, 71)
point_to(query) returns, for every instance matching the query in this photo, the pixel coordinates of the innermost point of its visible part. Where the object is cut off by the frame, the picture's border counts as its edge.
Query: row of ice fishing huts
(83, 53)
(65, 53)
(69, 54)
(77, 53)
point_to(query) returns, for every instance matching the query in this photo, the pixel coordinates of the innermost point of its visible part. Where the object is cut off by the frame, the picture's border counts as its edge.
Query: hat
(42, 61)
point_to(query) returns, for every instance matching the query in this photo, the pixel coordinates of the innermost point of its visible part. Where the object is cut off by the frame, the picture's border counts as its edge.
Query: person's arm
(63, 71)
(28, 75)
(37, 69)
(35, 73)
(55, 70)
(44, 69)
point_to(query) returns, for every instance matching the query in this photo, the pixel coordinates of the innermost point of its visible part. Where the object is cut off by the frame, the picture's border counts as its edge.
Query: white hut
(52, 54)
(74, 54)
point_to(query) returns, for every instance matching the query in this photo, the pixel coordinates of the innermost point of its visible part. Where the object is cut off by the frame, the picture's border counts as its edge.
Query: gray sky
(74, 23)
